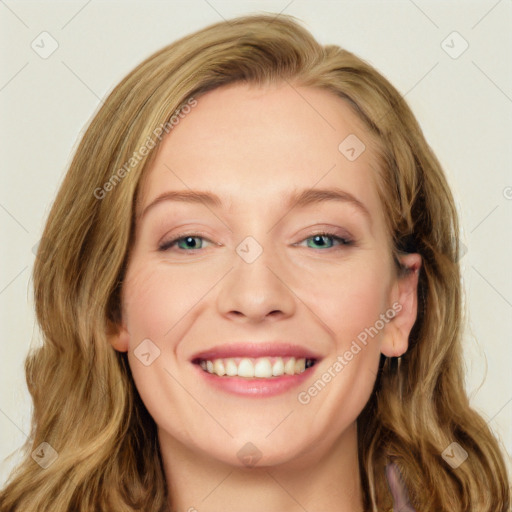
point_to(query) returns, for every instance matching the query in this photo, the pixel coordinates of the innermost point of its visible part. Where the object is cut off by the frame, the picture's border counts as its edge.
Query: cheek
(144, 305)
(156, 306)
(157, 300)
(351, 300)
(352, 310)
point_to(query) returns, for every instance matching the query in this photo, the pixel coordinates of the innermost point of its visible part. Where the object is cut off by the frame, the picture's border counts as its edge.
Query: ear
(118, 336)
(404, 297)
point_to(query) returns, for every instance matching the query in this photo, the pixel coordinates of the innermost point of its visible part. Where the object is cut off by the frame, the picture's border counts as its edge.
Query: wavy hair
(85, 402)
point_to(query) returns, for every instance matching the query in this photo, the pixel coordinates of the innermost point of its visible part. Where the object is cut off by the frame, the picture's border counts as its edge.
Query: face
(257, 311)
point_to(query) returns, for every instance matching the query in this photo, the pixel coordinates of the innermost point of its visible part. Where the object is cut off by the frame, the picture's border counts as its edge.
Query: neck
(328, 481)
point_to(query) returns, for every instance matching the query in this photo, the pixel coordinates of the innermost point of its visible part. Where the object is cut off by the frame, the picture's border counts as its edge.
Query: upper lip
(255, 350)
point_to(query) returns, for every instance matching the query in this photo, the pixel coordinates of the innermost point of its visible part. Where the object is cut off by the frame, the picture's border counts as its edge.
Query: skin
(253, 146)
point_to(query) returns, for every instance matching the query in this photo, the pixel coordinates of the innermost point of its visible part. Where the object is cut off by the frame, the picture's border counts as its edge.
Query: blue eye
(327, 240)
(195, 242)
(186, 243)
(190, 242)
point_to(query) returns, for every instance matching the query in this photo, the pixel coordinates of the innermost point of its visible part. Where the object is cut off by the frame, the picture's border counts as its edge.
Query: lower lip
(256, 387)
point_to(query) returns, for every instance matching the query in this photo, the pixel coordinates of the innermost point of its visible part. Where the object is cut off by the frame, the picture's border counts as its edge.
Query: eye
(194, 242)
(187, 242)
(326, 240)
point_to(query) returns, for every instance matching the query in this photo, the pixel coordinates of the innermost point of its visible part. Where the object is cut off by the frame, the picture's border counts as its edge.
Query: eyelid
(167, 242)
(337, 233)
(345, 240)
(332, 231)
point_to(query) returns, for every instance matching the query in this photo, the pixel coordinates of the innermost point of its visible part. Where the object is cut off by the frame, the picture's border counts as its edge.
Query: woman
(250, 297)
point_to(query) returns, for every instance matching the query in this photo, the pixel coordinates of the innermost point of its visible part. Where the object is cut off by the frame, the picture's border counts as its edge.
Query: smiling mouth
(260, 367)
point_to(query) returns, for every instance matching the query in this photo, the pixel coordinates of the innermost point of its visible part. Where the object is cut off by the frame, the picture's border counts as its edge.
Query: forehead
(252, 145)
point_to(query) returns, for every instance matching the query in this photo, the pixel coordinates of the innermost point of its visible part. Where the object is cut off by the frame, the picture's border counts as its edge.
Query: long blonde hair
(85, 403)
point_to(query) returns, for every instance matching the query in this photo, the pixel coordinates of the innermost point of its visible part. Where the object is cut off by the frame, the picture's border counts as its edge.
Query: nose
(257, 290)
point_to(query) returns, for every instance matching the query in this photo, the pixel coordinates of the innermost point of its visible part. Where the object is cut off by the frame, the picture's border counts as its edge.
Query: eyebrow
(299, 199)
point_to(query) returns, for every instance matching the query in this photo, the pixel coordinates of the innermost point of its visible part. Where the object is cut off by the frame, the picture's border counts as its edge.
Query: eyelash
(165, 246)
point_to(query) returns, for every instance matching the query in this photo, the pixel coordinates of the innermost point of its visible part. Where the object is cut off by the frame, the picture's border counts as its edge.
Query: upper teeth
(263, 367)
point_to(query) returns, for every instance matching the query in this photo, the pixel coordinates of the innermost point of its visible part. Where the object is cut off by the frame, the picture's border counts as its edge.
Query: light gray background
(464, 105)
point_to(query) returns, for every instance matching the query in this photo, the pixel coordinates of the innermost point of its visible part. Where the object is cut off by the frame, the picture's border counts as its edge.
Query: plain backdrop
(458, 85)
